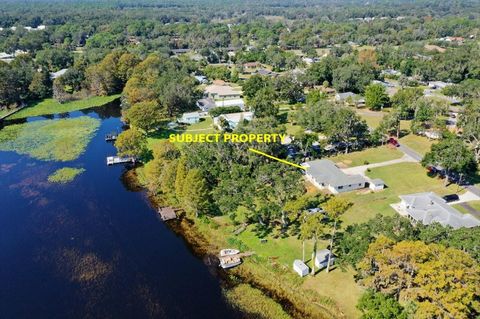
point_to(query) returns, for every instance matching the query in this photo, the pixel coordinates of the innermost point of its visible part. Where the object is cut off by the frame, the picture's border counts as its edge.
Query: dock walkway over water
(167, 213)
(112, 160)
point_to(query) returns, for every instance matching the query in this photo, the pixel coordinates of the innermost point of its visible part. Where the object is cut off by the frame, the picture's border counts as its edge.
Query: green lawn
(373, 119)
(58, 140)
(65, 175)
(475, 204)
(419, 144)
(51, 106)
(401, 179)
(370, 155)
(280, 254)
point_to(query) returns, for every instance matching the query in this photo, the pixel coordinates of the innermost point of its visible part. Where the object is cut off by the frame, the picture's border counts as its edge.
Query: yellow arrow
(276, 158)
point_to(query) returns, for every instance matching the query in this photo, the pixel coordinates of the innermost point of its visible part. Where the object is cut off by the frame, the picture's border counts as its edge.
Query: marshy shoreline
(205, 241)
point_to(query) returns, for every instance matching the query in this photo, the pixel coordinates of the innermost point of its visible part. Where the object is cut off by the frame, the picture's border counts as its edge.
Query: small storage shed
(300, 268)
(321, 259)
(377, 184)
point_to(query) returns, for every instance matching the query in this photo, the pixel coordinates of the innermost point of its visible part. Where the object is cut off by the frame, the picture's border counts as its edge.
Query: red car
(393, 141)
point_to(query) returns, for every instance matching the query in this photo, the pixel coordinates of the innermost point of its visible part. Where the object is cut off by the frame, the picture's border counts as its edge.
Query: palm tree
(335, 208)
(312, 228)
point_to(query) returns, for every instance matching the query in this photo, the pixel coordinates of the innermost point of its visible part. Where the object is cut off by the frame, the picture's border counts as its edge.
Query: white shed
(321, 259)
(300, 268)
(376, 184)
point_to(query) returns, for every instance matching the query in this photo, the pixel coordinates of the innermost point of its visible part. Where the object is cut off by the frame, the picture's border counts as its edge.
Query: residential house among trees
(324, 174)
(428, 208)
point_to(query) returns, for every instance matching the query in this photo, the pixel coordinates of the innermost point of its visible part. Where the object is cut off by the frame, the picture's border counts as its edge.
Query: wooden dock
(167, 213)
(112, 160)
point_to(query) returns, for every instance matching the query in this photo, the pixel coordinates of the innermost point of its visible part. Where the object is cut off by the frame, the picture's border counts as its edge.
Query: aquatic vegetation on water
(51, 106)
(65, 175)
(50, 140)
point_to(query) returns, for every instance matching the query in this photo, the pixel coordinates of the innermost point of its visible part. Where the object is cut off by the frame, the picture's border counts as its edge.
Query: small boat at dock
(230, 261)
(229, 252)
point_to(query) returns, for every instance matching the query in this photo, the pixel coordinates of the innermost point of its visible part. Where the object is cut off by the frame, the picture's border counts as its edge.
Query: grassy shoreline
(51, 106)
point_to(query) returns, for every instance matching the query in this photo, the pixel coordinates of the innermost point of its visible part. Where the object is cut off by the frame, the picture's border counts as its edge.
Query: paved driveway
(363, 168)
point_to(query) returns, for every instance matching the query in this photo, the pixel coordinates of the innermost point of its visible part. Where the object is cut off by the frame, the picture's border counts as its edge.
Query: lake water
(93, 248)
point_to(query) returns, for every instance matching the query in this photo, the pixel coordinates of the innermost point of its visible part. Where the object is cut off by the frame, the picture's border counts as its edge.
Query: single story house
(180, 51)
(350, 98)
(205, 104)
(233, 119)
(230, 102)
(376, 184)
(58, 74)
(190, 118)
(321, 258)
(324, 174)
(428, 208)
(300, 268)
(215, 91)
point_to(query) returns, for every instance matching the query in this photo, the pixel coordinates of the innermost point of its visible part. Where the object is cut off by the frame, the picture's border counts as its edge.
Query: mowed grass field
(401, 179)
(51, 106)
(370, 156)
(419, 144)
(50, 140)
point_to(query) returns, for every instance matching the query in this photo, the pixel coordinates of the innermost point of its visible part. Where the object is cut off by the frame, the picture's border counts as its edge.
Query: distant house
(376, 184)
(265, 72)
(190, 118)
(222, 92)
(346, 97)
(438, 85)
(324, 174)
(180, 51)
(5, 57)
(202, 79)
(391, 72)
(433, 135)
(58, 74)
(321, 259)
(206, 104)
(300, 268)
(428, 208)
(250, 66)
(230, 102)
(233, 119)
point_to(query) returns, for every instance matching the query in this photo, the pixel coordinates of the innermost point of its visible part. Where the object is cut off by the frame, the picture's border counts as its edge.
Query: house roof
(206, 104)
(233, 102)
(326, 172)
(429, 208)
(322, 255)
(345, 95)
(222, 90)
(377, 181)
(300, 264)
(57, 74)
(190, 114)
(236, 117)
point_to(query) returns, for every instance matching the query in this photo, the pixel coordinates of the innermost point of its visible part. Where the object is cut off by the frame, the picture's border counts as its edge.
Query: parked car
(393, 142)
(451, 198)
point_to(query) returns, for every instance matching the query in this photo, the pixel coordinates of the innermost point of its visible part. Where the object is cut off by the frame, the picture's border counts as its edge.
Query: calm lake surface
(93, 248)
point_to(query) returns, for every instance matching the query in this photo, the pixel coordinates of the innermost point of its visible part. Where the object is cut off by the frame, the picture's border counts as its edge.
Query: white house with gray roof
(324, 174)
(428, 208)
